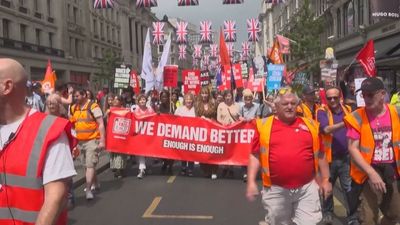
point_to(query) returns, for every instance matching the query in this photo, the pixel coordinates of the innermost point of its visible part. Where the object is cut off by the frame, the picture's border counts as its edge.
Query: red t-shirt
(291, 157)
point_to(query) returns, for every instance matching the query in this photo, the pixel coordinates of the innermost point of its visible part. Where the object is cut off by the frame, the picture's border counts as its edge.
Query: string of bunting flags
(104, 4)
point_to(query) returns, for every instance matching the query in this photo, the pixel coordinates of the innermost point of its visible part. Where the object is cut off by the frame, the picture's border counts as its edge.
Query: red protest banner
(237, 73)
(226, 78)
(191, 80)
(171, 76)
(172, 137)
(255, 84)
(134, 82)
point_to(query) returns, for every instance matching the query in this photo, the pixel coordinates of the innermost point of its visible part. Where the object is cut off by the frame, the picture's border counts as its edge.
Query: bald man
(35, 164)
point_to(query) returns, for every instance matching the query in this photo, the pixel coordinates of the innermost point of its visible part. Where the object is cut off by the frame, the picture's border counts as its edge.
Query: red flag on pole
(366, 57)
(223, 50)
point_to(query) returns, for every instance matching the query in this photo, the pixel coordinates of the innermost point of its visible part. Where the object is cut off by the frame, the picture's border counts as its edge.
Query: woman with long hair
(206, 107)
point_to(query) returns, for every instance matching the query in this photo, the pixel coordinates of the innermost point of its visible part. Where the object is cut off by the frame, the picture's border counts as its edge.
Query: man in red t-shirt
(285, 147)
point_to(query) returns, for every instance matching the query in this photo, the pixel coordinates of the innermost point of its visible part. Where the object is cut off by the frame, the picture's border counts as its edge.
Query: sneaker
(213, 176)
(89, 195)
(94, 187)
(141, 174)
(190, 173)
(244, 177)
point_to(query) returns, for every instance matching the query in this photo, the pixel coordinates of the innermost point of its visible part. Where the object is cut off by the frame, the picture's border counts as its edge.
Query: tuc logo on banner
(191, 80)
(172, 137)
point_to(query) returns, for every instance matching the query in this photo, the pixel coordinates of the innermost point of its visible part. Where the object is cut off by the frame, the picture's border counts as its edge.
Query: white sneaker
(94, 187)
(89, 195)
(141, 174)
(213, 176)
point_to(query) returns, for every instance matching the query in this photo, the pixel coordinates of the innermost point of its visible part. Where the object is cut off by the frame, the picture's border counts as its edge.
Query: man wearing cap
(333, 133)
(374, 139)
(308, 108)
(287, 148)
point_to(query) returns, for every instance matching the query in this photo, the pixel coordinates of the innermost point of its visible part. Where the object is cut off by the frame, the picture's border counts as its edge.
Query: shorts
(89, 152)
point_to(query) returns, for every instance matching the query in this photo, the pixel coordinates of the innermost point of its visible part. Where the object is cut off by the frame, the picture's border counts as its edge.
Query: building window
(338, 23)
(37, 32)
(6, 28)
(21, 2)
(94, 26)
(75, 14)
(49, 8)
(36, 5)
(349, 18)
(22, 31)
(137, 37)
(77, 46)
(51, 40)
(101, 30)
(360, 12)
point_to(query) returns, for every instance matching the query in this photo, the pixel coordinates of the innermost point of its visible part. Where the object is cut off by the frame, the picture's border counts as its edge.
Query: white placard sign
(359, 98)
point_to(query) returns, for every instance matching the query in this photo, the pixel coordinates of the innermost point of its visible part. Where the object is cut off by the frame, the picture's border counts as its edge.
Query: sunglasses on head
(285, 90)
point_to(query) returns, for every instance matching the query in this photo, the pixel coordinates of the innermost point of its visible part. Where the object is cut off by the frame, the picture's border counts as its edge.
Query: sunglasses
(330, 98)
(285, 90)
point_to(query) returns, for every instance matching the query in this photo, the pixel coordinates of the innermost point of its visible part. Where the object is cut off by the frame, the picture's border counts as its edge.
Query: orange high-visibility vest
(85, 124)
(328, 138)
(21, 169)
(359, 121)
(264, 127)
(304, 111)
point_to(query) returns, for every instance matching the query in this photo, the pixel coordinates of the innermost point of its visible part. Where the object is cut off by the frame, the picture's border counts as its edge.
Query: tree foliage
(305, 29)
(108, 64)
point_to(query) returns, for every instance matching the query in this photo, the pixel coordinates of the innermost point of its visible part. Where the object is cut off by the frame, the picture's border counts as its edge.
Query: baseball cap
(307, 90)
(371, 84)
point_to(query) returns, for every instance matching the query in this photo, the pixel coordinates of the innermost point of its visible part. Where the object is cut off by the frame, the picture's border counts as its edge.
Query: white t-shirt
(58, 163)
(184, 111)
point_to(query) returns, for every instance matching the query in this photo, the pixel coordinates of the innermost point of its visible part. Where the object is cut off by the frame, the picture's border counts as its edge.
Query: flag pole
(348, 67)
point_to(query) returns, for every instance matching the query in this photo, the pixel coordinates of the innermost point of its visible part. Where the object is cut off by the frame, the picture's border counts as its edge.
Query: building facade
(349, 25)
(73, 35)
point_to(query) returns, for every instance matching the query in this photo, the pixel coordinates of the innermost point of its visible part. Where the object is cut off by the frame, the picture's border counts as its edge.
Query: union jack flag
(230, 30)
(158, 33)
(181, 32)
(253, 29)
(232, 2)
(103, 4)
(213, 50)
(182, 52)
(274, 1)
(245, 49)
(197, 51)
(230, 48)
(188, 2)
(205, 32)
(146, 3)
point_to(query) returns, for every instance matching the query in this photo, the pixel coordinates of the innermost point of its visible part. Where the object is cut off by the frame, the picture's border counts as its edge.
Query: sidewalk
(104, 163)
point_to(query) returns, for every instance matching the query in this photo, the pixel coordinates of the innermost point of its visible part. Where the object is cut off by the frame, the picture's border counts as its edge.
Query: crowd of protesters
(330, 139)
